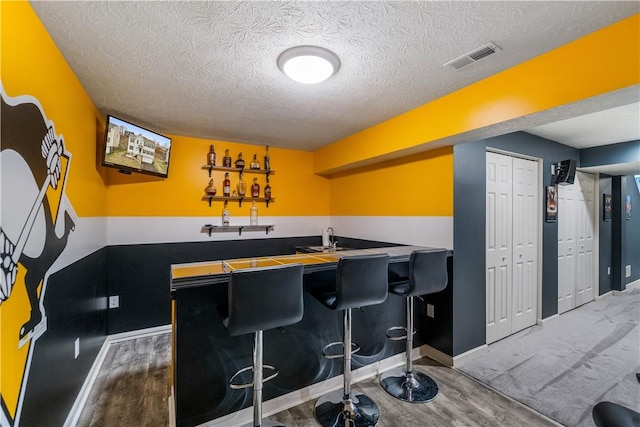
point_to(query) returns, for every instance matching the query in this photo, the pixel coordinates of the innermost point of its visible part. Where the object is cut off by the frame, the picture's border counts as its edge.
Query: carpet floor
(564, 368)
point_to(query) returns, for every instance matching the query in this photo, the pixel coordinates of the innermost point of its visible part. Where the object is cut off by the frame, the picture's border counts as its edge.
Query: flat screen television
(131, 148)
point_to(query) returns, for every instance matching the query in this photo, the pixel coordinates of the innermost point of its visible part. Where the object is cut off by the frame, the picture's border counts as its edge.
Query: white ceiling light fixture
(308, 64)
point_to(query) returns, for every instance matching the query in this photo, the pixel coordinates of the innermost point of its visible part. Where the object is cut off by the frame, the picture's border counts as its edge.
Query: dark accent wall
(75, 305)
(139, 274)
(610, 154)
(606, 240)
(625, 232)
(469, 303)
(631, 229)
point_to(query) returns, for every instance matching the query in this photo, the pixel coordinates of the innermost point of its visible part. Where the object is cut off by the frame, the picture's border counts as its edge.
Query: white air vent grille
(473, 56)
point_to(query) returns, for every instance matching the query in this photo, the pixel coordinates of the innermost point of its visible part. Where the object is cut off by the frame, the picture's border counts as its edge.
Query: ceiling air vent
(473, 56)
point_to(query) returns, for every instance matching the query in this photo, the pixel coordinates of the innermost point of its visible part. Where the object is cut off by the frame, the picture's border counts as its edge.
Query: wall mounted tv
(131, 148)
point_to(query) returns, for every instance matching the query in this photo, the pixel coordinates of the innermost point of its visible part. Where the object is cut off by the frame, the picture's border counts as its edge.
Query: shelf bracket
(268, 202)
(268, 228)
(240, 201)
(240, 231)
(210, 206)
(210, 171)
(210, 228)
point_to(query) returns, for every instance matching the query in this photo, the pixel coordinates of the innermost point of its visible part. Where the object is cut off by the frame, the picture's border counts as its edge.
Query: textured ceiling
(208, 69)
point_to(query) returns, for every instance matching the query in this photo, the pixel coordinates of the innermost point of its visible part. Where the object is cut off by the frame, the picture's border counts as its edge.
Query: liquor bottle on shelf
(239, 163)
(241, 186)
(267, 191)
(225, 215)
(210, 190)
(226, 160)
(255, 188)
(267, 160)
(226, 185)
(211, 156)
(253, 216)
(255, 163)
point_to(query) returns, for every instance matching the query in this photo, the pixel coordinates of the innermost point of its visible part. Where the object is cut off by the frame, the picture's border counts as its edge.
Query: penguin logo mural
(35, 222)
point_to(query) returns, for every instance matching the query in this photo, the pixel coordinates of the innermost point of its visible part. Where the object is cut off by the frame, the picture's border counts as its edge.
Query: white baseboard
(435, 354)
(78, 405)
(140, 333)
(543, 322)
(468, 355)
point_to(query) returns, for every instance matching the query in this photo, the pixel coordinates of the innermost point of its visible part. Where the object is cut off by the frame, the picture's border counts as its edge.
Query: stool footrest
(235, 386)
(389, 332)
(354, 349)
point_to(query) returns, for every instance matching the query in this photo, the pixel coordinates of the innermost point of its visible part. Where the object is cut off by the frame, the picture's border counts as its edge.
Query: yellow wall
(420, 185)
(297, 190)
(32, 65)
(601, 62)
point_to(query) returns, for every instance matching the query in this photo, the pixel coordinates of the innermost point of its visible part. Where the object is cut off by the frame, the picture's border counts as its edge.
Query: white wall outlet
(430, 310)
(114, 301)
(608, 271)
(77, 348)
(628, 271)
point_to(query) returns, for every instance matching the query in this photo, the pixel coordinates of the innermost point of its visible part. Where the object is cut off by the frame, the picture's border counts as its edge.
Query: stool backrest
(427, 272)
(264, 298)
(361, 280)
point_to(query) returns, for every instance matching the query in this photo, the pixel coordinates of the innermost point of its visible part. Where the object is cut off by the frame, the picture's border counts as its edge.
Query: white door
(576, 228)
(566, 248)
(525, 247)
(512, 205)
(498, 240)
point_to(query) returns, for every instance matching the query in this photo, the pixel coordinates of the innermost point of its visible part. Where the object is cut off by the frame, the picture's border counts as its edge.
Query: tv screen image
(132, 148)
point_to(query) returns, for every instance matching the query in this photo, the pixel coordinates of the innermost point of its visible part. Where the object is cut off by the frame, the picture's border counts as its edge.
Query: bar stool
(260, 299)
(361, 280)
(427, 275)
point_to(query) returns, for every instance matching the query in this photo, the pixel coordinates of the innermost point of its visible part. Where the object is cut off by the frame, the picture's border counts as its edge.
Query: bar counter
(205, 356)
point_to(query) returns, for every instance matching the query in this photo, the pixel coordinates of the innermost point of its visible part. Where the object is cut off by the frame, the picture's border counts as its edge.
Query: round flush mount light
(308, 64)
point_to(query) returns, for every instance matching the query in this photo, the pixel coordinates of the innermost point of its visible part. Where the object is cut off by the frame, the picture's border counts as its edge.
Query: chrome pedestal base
(265, 423)
(415, 388)
(359, 411)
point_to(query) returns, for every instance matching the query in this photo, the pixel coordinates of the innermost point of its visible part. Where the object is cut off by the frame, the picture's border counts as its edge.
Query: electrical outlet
(114, 301)
(628, 271)
(608, 271)
(430, 310)
(77, 348)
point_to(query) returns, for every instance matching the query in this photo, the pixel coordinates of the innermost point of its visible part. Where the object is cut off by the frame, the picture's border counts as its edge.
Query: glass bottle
(225, 215)
(255, 163)
(255, 188)
(210, 190)
(253, 216)
(241, 186)
(226, 185)
(239, 163)
(267, 191)
(226, 160)
(211, 156)
(267, 160)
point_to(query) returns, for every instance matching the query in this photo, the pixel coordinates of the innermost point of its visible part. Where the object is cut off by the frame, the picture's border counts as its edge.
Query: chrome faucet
(332, 243)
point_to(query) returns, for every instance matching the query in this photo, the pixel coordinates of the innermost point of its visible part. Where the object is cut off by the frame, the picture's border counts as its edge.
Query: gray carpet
(563, 368)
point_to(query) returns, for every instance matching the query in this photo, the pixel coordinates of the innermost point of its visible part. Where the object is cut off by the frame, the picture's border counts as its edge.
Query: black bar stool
(260, 299)
(427, 275)
(360, 281)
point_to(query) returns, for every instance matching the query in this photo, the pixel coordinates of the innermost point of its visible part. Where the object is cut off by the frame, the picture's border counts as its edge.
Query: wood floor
(132, 389)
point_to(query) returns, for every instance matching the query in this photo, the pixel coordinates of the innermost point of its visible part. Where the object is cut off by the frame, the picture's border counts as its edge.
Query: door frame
(541, 199)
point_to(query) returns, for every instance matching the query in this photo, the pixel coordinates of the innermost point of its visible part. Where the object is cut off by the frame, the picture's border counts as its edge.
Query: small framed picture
(606, 207)
(627, 207)
(552, 204)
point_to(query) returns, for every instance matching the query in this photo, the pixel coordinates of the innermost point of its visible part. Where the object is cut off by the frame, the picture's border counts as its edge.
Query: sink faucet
(331, 242)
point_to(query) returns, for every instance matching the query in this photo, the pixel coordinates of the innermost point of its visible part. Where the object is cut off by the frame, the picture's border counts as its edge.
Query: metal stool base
(420, 389)
(330, 410)
(265, 423)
